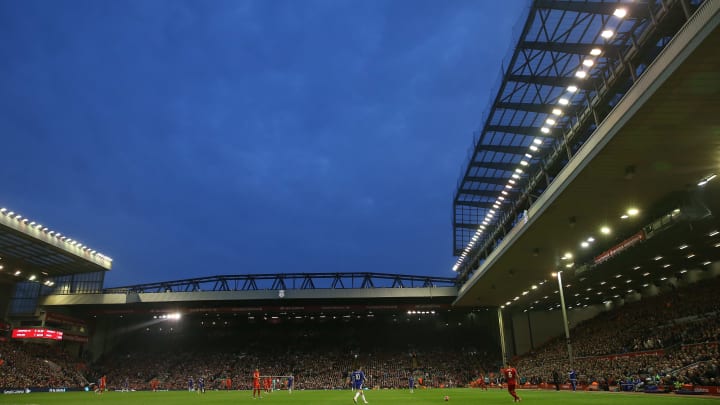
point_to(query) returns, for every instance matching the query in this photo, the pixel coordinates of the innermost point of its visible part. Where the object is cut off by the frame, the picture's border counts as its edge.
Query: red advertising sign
(638, 237)
(37, 333)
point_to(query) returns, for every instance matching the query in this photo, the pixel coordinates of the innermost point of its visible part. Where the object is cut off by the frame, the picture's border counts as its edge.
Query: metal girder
(367, 282)
(221, 285)
(512, 129)
(479, 193)
(531, 107)
(475, 204)
(482, 193)
(487, 180)
(515, 150)
(307, 283)
(495, 165)
(279, 283)
(254, 282)
(554, 81)
(573, 48)
(466, 226)
(249, 284)
(589, 7)
(337, 281)
(428, 283)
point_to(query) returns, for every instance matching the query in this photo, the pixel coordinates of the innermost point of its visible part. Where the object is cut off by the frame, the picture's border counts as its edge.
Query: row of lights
(174, 316)
(552, 120)
(57, 235)
(605, 230)
(618, 276)
(177, 315)
(421, 312)
(706, 179)
(32, 277)
(585, 243)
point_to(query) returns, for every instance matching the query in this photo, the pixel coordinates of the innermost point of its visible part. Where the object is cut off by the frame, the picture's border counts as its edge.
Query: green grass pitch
(390, 397)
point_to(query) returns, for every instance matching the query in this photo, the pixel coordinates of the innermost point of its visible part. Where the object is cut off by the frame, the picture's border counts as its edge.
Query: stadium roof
(640, 130)
(31, 251)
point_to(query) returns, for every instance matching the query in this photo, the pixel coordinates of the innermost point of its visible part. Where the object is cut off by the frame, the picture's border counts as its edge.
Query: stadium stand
(672, 336)
(668, 339)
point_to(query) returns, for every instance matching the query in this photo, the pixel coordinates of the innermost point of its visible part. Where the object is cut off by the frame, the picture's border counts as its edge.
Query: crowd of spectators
(317, 355)
(317, 369)
(669, 339)
(39, 365)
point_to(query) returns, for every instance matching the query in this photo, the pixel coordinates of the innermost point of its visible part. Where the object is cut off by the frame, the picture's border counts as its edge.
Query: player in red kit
(266, 384)
(256, 383)
(511, 377)
(103, 384)
(483, 384)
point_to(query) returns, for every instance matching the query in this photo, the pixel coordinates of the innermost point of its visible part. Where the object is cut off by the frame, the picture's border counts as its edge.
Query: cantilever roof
(28, 249)
(643, 135)
(540, 83)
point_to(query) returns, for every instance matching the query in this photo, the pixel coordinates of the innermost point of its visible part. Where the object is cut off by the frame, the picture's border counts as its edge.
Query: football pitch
(390, 397)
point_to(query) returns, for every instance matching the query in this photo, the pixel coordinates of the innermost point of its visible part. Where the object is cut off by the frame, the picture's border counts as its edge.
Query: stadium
(584, 225)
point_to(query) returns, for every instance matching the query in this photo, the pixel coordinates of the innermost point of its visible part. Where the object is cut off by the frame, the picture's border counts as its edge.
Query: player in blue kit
(201, 385)
(290, 384)
(411, 384)
(191, 384)
(573, 379)
(357, 379)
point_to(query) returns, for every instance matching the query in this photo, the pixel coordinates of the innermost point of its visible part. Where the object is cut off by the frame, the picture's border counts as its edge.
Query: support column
(502, 336)
(565, 319)
(532, 344)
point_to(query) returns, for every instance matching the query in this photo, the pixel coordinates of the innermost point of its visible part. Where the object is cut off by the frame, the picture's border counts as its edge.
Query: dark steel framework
(555, 41)
(27, 293)
(301, 281)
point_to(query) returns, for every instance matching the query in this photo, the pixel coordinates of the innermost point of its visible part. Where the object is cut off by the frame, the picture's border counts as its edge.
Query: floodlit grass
(389, 397)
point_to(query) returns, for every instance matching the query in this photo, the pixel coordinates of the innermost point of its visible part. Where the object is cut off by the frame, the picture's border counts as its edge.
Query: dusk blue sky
(195, 138)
